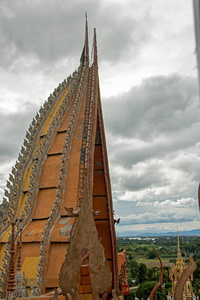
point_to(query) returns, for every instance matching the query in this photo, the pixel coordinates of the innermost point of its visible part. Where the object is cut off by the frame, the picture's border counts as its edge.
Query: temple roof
(64, 152)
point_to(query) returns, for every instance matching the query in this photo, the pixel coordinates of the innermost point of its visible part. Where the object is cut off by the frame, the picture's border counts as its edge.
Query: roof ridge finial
(85, 53)
(177, 237)
(179, 251)
(95, 57)
(86, 41)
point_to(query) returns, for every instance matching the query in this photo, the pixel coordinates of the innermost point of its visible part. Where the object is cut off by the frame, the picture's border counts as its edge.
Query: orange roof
(64, 144)
(121, 259)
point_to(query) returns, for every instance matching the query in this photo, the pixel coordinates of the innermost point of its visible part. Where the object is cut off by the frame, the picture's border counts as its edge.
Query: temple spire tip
(179, 251)
(85, 54)
(95, 57)
(86, 41)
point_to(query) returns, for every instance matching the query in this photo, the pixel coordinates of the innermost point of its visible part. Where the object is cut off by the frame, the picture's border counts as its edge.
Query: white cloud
(183, 202)
(160, 216)
(156, 228)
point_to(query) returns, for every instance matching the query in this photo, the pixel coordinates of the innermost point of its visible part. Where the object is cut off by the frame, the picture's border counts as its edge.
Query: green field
(154, 262)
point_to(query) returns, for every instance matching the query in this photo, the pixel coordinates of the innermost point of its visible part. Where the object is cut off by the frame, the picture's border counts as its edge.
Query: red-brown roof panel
(45, 200)
(50, 172)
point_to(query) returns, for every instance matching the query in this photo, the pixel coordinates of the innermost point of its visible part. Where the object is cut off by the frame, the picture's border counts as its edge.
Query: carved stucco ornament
(85, 236)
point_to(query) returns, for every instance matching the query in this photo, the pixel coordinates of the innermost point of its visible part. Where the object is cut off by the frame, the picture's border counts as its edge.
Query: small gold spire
(179, 251)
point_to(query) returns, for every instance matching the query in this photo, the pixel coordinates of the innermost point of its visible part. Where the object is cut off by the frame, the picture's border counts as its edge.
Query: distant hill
(144, 234)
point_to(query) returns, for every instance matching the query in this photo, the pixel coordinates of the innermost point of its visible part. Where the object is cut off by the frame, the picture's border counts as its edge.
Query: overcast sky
(148, 78)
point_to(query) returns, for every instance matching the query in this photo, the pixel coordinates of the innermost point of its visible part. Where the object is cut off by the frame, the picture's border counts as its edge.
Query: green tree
(162, 294)
(168, 286)
(150, 274)
(134, 269)
(145, 289)
(151, 254)
(130, 256)
(142, 272)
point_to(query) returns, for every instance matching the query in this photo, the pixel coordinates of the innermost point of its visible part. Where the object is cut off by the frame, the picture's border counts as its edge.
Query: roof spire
(85, 54)
(86, 41)
(179, 251)
(95, 58)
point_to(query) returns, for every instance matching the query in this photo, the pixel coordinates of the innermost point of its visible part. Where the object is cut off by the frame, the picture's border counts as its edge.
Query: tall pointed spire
(86, 41)
(178, 251)
(95, 58)
(85, 53)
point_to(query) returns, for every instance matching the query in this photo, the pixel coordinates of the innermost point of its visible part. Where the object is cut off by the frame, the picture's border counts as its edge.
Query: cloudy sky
(148, 77)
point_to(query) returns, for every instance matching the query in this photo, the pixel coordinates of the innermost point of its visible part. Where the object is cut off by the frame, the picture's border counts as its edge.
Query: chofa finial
(85, 54)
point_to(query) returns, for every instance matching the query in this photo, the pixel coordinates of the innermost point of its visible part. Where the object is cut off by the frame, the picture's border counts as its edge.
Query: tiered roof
(64, 153)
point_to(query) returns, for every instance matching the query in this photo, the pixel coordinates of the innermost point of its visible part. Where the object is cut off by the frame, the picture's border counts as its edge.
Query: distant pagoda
(175, 273)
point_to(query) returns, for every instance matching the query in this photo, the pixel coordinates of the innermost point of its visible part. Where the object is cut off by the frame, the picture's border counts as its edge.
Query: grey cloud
(151, 177)
(43, 29)
(127, 156)
(168, 173)
(155, 181)
(53, 30)
(120, 34)
(147, 189)
(161, 105)
(189, 164)
(161, 117)
(13, 129)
